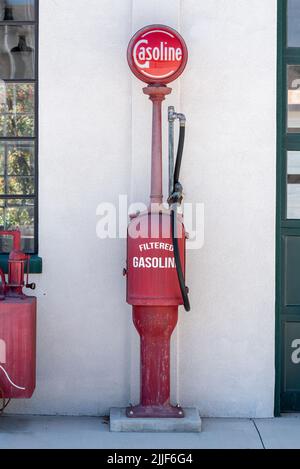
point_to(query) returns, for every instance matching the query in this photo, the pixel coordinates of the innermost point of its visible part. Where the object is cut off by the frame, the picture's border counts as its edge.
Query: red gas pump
(17, 326)
(156, 261)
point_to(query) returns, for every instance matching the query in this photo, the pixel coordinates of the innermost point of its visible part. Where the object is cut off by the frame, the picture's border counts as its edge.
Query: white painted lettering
(153, 263)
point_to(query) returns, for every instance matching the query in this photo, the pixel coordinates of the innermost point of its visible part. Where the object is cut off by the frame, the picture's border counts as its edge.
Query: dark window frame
(286, 142)
(35, 138)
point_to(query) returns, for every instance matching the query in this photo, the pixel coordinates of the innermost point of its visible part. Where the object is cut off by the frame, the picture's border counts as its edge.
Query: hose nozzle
(172, 116)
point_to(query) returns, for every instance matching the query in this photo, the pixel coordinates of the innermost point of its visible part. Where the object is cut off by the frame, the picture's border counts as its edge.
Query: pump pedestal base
(165, 411)
(190, 423)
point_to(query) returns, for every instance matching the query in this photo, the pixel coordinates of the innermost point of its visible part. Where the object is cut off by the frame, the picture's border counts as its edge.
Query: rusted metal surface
(155, 325)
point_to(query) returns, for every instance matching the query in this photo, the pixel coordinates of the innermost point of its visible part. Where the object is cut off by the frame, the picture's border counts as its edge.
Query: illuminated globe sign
(157, 54)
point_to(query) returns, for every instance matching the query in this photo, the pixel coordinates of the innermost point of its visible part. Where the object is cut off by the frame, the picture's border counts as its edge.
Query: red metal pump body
(153, 287)
(17, 327)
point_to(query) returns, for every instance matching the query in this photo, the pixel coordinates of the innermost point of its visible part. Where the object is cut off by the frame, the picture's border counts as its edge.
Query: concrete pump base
(119, 422)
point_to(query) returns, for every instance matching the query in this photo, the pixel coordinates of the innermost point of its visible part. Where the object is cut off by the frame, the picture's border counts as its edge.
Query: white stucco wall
(94, 146)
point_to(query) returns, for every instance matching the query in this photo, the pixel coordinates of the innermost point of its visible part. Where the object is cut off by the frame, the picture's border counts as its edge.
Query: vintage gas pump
(155, 269)
(17, 326)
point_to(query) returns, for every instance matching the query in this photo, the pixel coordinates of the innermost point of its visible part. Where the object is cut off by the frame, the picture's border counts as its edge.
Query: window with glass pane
(294, 98)
(17, 52)
(17, 10)
(293, 185)
(17, 110)
(18, 121)
(293, 23)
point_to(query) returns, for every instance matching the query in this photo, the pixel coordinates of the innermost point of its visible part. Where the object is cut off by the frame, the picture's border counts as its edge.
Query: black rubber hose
(179, 155)
(183, 288)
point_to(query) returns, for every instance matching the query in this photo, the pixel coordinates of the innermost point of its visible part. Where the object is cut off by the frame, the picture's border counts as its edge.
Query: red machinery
(156, 260)
(17, 326)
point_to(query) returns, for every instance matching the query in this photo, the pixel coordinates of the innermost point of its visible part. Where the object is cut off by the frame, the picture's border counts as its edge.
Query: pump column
(156, 95)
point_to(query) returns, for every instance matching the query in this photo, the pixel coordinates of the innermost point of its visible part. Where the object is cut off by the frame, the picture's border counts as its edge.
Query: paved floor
(18, 432)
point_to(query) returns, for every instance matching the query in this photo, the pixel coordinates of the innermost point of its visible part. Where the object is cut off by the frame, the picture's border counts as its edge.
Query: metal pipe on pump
(176, 196)
(157, 55)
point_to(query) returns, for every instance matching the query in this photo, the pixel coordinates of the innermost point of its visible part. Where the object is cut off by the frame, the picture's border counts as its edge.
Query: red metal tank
(151, 270)
(17, 347)
(17, 327)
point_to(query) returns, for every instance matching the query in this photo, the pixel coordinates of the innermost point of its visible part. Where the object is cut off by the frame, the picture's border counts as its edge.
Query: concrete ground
(36, 432)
